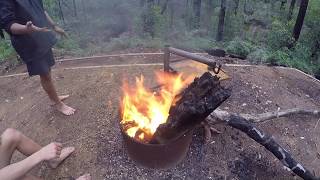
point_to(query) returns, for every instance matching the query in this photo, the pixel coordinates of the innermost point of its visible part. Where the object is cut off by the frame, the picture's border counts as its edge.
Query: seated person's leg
(9, 141)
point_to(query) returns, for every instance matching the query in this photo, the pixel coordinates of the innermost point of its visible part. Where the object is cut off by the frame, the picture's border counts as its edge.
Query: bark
(221, 21)
(197, 102)
(197, 13)
(300, 19)
(291, 8)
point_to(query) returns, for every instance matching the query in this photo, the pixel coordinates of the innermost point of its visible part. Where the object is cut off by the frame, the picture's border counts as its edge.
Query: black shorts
(41, 65)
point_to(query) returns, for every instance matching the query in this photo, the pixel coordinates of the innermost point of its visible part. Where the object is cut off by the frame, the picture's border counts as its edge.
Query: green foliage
(69, 45)
(298, 57)
(152, 22)
(259, 55)
(280, 35)
(279, 57)
(6, 50)
(239, 47)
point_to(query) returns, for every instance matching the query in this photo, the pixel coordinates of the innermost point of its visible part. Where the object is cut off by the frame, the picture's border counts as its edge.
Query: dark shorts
(41, 65)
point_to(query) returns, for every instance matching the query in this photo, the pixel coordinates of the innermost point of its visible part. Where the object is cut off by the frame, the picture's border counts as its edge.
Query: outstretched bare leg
(47, 84)
(12, 140)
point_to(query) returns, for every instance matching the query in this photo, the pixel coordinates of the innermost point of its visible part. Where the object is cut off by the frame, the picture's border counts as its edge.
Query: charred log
(196, 103)
(216, 52)
(271, 145)
(237, 56)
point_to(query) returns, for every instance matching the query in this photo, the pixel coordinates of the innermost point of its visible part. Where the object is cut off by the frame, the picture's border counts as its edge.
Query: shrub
(279, 57)
(279, 36)
(6, 50)
(239, 47)
(260, 55)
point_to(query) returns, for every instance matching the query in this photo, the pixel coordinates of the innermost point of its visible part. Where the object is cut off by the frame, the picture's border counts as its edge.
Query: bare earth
(94, 129)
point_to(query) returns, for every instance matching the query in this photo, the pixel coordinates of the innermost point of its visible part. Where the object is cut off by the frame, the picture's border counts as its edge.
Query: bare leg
(47, 84)
(12, 140)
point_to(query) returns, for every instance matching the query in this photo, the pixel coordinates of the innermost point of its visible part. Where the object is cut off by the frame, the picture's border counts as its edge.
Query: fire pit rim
(155, 145)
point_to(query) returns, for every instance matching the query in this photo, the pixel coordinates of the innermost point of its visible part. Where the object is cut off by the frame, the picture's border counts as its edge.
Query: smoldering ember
(166, 89)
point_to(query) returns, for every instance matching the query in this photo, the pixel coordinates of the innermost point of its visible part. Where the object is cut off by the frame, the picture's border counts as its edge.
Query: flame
(144, 110)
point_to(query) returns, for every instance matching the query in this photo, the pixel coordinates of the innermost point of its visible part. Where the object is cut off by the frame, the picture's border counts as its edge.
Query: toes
(69, 150)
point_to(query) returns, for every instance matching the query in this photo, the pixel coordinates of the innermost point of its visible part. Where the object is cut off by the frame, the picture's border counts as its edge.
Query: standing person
(12, 140)
(28, 25)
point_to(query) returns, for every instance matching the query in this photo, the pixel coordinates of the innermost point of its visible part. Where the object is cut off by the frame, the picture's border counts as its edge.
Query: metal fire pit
(160, 156)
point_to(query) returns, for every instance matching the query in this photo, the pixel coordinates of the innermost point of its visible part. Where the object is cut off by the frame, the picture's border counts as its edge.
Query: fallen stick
(239, 121)
(277, 114)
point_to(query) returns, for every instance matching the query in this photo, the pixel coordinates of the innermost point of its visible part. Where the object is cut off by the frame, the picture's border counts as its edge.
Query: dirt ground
(94, 129)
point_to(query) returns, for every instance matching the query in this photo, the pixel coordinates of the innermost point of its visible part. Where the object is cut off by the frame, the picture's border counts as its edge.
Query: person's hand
(32, 28)
(60, 31)
(50, 152)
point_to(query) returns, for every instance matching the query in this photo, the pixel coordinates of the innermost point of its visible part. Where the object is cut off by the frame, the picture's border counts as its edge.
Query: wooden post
(166, 59)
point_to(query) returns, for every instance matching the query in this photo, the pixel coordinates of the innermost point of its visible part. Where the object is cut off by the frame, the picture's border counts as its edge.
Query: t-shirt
(28, 46)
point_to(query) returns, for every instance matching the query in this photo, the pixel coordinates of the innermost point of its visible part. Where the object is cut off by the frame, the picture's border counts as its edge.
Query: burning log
(196, 103)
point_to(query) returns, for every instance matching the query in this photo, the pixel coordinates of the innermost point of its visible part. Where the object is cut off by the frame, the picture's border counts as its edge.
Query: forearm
(52, 23)
(18, 170)
(17, 28)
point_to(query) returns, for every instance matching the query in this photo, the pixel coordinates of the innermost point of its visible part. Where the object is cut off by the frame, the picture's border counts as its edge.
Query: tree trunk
(142, 3)
(299, 22)
(236, 7)
(283, 3)
(197, 13)
(221, 21)
(164, 7)
(75, 8)
(209, 13)
(292, 5)
(60, 11)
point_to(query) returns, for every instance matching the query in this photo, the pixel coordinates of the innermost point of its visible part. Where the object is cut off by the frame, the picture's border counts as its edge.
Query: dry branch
(277, 114)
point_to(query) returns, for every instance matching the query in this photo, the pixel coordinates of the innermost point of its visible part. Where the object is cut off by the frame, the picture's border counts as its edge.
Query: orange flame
(143, 110)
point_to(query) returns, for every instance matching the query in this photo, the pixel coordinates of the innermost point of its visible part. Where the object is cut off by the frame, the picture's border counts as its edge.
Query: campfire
(143, 110)
(157, 126)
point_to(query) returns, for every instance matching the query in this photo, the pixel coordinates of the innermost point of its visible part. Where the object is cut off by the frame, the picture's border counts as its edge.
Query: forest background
(278, 32)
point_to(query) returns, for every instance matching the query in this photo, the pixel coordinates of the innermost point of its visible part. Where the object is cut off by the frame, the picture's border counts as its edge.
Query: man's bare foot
(66, 152)
(84, 177)
(64, 109)
(64, 97)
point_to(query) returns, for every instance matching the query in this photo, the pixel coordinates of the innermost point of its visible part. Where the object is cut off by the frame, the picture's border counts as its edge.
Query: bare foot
(84, 177)
(64, 97)
(64, 109)
(66, 152)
